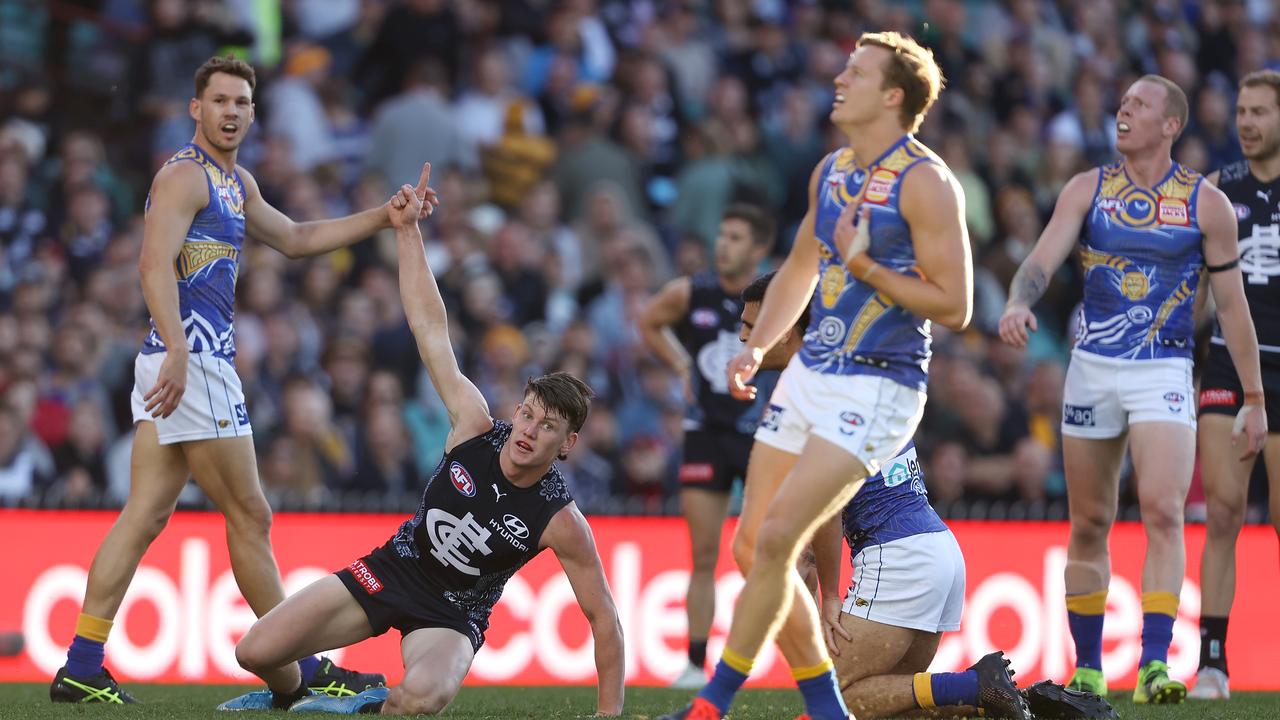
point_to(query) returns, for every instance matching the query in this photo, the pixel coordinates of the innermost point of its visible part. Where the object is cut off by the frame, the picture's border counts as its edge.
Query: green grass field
(197, 701)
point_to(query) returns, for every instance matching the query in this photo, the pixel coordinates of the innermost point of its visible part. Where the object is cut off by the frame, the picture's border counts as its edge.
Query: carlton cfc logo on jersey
(462, 480)
(1172, 211)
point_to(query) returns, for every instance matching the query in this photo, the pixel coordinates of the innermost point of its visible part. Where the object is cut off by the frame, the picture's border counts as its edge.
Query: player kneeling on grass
(495, 501)
(909, 578)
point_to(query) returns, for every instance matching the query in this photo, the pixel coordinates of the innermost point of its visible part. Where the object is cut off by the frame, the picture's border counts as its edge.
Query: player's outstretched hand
(411, 204)
(171, 382)
(853, 230)
(1015, 322)
(1251, 421)
(832, 631)
(741, 369)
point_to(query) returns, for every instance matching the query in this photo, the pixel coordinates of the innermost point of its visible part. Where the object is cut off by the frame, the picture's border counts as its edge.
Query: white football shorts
(211, 407)
(1103, 396)
(913, 582)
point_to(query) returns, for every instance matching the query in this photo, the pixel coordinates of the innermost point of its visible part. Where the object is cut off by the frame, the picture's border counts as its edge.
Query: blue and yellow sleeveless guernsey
(855, 329)
(208, 262)
(1142, 257)
(891, 505)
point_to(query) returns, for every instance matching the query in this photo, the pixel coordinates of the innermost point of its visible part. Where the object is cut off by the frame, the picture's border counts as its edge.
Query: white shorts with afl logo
(1103, 396)
(872, 417)
(212, 406)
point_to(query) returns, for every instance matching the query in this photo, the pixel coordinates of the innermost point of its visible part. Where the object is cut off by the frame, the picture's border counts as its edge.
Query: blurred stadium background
(584, 150)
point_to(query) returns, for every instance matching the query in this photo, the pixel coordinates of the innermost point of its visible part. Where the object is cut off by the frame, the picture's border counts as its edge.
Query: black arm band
(1223, 267)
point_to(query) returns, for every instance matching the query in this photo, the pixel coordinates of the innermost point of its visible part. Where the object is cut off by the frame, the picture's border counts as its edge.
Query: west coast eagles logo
(1134, 285)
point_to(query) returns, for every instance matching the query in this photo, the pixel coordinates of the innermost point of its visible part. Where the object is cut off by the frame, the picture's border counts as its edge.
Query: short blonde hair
(1175, 100)
(912, 68)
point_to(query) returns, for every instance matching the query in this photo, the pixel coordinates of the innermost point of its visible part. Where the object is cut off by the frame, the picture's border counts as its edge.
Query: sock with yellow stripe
(946, 689)
(1084, 617)
(84, 657)
(821, 692)
(1158, 612)
(731, 672)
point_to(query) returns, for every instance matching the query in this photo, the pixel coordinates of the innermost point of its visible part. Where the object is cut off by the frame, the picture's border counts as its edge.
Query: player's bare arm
(827, 548)
(662, 311)
(297, 240)
(1221, 257)
(933, 207)
(784, 301)
(569, 537)
(178, 192)
(424, 308)
(1053, 247)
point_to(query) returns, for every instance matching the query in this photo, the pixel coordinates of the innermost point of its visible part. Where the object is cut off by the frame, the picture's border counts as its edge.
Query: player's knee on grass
(404, 700)
(254, 654)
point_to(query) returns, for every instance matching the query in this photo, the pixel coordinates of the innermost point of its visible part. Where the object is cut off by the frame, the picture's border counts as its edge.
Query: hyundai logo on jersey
(515, 525)
(462, 480)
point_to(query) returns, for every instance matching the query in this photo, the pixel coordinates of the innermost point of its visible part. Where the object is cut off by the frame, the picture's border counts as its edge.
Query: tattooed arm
(1055, 243)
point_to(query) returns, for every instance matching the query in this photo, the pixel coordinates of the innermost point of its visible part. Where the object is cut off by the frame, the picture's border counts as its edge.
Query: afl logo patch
(1110, 204)
(1242, 211)
(704, 318)
(462, 480)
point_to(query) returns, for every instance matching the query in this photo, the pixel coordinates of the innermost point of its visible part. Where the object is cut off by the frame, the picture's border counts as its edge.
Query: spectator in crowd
(583, 150)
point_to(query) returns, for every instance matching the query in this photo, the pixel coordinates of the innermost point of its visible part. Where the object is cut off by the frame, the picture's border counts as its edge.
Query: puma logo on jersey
(498, 492)
(1264, 195)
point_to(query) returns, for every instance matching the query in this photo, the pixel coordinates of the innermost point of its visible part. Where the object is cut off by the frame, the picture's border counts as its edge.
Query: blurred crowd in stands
(583, 151)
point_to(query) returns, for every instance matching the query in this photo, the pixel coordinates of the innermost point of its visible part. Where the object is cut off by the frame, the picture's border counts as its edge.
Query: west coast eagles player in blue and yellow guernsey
(188, 407)
(1151, 228)
(852, 398)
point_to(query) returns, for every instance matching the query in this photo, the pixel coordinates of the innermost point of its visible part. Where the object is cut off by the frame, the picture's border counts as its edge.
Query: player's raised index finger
(425, 179)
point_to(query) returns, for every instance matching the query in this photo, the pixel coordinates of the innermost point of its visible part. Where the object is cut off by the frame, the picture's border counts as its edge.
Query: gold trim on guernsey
(197, 254)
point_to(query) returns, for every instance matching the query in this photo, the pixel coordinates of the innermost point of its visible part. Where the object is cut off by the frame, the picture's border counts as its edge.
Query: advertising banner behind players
(183, 614)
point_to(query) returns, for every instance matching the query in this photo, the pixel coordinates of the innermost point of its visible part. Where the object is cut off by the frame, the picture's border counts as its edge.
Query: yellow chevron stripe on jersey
(1179, 296)
(870, 311)
(197, 254)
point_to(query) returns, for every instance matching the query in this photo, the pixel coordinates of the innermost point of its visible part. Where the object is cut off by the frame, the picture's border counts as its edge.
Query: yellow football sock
(93, 628)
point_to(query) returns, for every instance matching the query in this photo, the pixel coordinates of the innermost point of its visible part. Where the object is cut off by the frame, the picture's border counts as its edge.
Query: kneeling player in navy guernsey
(495, 501)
